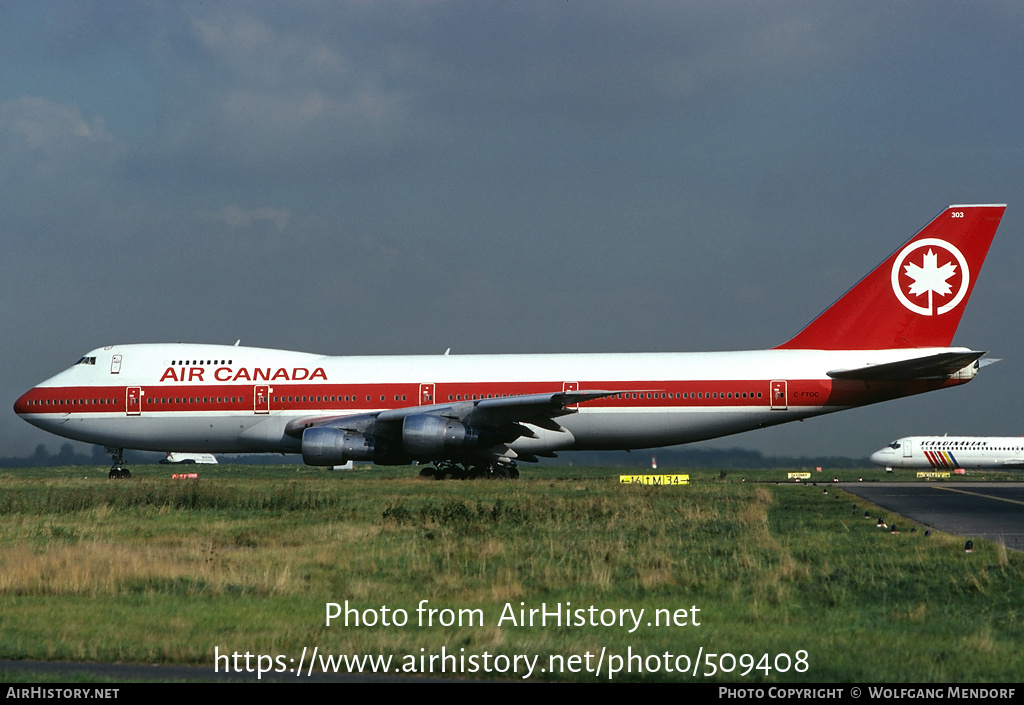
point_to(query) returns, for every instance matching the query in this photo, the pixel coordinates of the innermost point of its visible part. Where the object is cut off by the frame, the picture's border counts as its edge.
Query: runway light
(825, 491)
(927, 533)
(913, 530)
(867, 515)
(895, 529)
(969, 547)
(881, 524)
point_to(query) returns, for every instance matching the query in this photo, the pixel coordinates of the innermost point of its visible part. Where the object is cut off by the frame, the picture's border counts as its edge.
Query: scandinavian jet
(887, 337)
(950, 452)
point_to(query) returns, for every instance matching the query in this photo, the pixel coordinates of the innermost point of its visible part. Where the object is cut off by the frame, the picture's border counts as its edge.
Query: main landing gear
(118, 471)
(448, 470)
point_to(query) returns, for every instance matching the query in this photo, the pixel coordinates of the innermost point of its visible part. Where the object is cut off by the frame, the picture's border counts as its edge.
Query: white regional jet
(888, 337)
(950, 452)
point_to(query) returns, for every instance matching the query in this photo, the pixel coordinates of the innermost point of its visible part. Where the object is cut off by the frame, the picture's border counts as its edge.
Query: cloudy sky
(564, 176)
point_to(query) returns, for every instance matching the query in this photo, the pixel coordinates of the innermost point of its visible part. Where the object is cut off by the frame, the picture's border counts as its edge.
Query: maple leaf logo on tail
(930, 277)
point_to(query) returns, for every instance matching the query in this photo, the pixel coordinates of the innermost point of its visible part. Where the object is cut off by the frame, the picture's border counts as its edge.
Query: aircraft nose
(880, 457)
(22, 405)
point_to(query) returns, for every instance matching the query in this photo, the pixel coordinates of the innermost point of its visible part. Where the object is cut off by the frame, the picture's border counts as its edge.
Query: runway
(994, 511)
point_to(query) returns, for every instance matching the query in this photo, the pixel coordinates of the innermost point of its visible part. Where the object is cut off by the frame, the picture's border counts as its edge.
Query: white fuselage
(950, 452)
(210, 398)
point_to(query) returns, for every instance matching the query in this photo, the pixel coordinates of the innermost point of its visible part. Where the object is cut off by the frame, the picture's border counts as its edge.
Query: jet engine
(332, 446)
(426, 435)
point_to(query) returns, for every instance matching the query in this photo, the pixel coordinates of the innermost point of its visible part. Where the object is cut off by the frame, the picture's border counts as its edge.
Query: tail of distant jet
(915, 298)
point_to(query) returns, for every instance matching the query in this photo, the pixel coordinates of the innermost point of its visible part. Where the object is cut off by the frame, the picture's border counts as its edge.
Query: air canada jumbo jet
(887, 337)
(950, 452)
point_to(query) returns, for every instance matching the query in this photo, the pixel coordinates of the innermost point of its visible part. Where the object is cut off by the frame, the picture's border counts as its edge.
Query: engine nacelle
(426, 435)
(332, 446)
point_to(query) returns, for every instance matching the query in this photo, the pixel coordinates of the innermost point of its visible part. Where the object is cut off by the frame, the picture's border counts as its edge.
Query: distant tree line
(42, 458)
(718, 458)
(729, 458)
(67, 456)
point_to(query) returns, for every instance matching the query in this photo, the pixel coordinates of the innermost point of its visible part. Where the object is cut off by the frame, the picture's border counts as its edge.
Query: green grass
(154, 570)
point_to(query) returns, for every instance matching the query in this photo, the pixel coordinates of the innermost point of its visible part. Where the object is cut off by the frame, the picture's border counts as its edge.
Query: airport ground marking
(979, 494)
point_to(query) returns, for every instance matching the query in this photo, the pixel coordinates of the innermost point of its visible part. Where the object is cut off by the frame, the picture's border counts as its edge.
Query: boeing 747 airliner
(888, 337)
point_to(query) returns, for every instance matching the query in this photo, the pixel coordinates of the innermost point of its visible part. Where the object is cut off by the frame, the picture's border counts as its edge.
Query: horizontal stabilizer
(930, 366)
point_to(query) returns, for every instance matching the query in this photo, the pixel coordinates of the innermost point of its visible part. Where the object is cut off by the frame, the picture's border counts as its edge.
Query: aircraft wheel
(498, 472)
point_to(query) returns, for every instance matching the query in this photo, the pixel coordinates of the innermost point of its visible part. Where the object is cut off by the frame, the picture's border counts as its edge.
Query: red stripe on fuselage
(359, 397)
(345, 397)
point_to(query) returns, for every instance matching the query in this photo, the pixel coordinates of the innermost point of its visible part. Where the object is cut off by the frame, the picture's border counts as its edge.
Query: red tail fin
(915, 298)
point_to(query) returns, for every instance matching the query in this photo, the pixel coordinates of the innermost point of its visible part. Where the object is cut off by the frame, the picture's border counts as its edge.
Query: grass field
(793, 584)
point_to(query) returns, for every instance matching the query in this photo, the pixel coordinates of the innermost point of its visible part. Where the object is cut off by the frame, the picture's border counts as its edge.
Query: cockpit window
(86, 361)
(895, 445)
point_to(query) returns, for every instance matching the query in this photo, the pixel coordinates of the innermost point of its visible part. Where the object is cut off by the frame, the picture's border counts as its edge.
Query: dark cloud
(407, 177)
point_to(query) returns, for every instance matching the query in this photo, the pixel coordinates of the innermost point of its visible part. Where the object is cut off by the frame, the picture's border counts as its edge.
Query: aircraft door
(778, 392)
(426, 394)
(133, 401)
(261, 399)
(571, 387)
(908, 448)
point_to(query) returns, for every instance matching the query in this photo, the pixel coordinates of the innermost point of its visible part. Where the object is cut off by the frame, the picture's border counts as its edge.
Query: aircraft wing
(929, 366)
(539, 409)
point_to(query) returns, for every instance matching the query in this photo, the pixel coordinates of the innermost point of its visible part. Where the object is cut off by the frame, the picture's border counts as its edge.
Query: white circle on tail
(926, 268)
